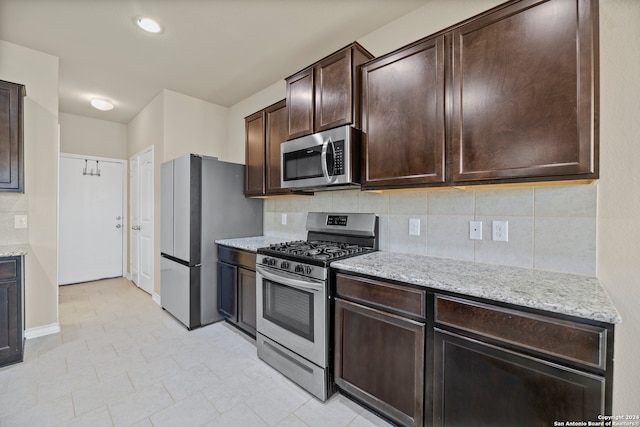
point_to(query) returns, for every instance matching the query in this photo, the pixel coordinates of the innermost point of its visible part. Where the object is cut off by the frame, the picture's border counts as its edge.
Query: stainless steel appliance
(202, 199)
(325, 160)
(293, 297)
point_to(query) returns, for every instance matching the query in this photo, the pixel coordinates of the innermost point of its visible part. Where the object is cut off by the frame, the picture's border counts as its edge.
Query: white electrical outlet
(19, 221)
(475, 230)
(284, 219)
(414, 226)
(500, 231)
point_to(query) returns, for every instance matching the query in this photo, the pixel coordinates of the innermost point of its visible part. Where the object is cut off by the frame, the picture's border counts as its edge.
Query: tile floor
(120, 360)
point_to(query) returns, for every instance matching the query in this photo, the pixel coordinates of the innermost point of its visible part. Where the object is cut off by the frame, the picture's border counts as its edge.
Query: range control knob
(268, 261)
(309, 269)
(285, 265)
(299, 269)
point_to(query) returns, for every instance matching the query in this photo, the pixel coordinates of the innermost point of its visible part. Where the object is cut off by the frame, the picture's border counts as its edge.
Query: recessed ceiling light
(149, 25)
(101, 104)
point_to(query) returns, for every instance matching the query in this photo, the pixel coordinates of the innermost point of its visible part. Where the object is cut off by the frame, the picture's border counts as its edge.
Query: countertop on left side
(13, 250)
(251, 244)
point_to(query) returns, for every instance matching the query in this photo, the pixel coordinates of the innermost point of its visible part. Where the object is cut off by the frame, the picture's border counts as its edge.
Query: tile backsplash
(550, 228)
(12, 204)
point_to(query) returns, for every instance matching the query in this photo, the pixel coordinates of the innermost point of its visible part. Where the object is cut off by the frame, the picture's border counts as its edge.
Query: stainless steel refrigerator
(202, 200)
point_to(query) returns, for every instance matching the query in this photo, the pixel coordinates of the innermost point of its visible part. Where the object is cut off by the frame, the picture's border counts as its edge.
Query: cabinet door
(524, 93)
(227, 290)
(247, 300)
(10, 311)
(333, 91)
(11, 143)
(254, 154)
(379, 358)
(276, 134)
(403, 117)
(300, 103)
(482, 385)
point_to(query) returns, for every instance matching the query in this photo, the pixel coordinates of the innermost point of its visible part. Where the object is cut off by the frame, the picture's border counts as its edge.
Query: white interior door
(91, 219)
(142, 220)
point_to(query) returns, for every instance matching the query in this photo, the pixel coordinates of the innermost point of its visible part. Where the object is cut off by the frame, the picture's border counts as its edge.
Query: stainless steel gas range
(293, 298)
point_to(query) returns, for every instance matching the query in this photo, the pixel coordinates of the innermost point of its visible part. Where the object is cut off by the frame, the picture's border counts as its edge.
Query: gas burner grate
(318, 249)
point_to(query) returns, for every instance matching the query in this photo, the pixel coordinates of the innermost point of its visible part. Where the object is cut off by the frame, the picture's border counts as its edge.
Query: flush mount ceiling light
(148, 25)
(101, 104)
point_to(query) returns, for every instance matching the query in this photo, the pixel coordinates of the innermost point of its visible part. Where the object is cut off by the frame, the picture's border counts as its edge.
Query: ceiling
(221, 51)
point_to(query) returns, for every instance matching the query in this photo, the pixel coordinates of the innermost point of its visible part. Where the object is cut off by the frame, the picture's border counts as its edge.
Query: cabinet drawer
(237, 257)
(8, 269)
(384, 295)
(569, 340)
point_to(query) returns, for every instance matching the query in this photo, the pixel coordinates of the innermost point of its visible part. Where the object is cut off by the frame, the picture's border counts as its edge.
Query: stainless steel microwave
(325, 160)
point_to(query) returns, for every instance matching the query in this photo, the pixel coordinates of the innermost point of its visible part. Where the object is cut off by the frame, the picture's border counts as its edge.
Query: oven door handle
(294, 283)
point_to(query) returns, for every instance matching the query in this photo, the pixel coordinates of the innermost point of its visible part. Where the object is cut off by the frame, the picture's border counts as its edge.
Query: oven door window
(302, 164)
(289, 308)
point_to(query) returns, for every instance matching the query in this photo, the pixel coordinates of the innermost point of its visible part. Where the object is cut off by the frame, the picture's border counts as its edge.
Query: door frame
(125, 205)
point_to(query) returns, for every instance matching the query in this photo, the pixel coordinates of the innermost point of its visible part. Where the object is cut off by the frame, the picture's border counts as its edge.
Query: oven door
(293, 312)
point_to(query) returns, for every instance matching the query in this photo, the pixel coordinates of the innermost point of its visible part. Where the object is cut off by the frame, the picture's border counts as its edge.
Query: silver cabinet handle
(118, 218)
(135, 227)
(118, 226)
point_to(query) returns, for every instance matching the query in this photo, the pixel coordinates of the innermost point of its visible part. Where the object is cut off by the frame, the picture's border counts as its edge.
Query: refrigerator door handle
(178, 260)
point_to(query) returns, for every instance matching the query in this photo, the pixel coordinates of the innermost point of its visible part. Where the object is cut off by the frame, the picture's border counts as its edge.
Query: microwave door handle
(294, 283)
(323, 159)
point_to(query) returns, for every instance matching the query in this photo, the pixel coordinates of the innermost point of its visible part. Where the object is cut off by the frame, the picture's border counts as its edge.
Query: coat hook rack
(91, 173)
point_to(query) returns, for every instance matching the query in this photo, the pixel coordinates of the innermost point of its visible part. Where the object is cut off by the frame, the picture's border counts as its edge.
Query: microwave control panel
(338, 157)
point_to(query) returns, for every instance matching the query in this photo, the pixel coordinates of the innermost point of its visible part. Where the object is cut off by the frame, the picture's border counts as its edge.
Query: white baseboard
(40, 331)
(156, 298)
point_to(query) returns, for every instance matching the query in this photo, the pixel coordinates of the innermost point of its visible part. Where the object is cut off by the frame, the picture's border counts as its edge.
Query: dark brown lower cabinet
(237, 288)
(227, 290)
(477, 384)
(247, 300)
(420, 357)
(379, 360)
(11, 339)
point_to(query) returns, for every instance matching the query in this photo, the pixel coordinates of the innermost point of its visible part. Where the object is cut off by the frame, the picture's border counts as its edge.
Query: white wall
(147, 128)
(236, 138)
(192, 125)
(618, 194)
(92, 137)
(175, 125)
(39, 73)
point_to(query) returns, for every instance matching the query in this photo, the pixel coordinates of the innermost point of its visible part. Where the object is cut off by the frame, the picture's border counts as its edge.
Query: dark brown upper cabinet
(403, 119)
(11, 137)
(326, 94)
(275, 134)
(265, 130)
(524, 93)
(254, 154)
(510, 95)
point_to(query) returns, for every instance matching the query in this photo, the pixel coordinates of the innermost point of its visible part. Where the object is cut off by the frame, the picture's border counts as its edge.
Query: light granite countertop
(13, 250)
(251, 243)
(570, 294)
